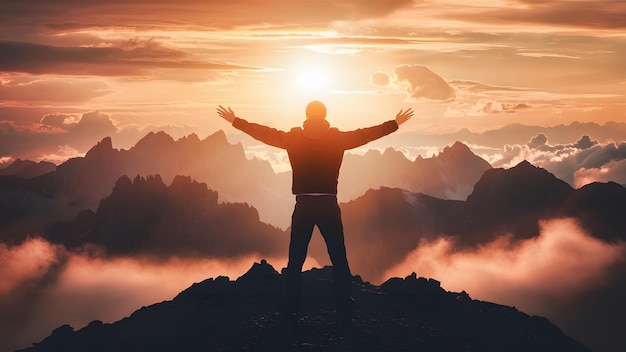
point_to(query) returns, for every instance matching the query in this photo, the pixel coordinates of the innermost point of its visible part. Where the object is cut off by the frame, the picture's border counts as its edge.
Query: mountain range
(521, 134)
(219, 314)
(120, 201)
(145, 217)
(83, 181)
(28, 168)
(384, 225)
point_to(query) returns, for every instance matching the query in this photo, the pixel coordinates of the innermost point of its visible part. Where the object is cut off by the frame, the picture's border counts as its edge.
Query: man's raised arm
(404, 116)
(267, 135)
(357, 138)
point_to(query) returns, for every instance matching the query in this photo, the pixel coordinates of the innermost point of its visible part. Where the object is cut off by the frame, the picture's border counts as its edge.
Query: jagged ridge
(400, 315)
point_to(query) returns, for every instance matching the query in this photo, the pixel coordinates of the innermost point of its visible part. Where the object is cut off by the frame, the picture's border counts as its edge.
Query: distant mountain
(400, 315)
(449, 175)
(81, 183)
(144, 216)
(384, 225)
(213, 161)
(27, 168)
(600, 209)
(521, 134)
(511, 201)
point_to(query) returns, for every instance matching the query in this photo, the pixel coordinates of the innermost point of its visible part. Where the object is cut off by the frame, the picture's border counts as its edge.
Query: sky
(72, 72)
(75, 71)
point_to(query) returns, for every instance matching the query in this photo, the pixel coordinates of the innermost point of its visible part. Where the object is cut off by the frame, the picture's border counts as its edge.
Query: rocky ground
(410, 314)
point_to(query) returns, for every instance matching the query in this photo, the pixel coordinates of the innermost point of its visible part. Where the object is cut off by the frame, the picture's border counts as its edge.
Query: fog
(562, 261)
(573, 279)
(43, 286)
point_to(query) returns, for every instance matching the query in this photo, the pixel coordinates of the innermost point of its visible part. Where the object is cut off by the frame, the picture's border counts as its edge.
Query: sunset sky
(75, 71)
(72, 72)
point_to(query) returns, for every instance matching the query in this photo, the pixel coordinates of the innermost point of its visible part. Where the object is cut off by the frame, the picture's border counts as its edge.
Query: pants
(324, 212)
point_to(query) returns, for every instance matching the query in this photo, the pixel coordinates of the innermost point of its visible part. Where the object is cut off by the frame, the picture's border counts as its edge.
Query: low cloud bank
(562, 261)
(43, 286)
(578, 163)
(564, 274)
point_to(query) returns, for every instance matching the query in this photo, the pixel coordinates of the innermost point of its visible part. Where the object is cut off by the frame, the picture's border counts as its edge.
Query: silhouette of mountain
(27, 168)
(384, 225)
(82, 182)
(511, 201)
(449, 175)
(600, 209)
(144, 216)
(520, 134)
(400, 315)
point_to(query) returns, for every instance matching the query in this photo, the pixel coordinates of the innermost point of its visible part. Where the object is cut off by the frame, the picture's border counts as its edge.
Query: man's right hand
(404, 116)
(228, 115)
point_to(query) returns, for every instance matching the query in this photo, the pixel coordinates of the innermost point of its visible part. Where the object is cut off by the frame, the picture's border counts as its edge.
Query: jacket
(316, 150)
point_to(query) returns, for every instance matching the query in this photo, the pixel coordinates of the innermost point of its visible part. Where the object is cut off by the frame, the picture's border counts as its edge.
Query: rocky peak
(218, 137)
(154, 141)
(455, 151)
(259, 273)
(400, 315)
(103, 148)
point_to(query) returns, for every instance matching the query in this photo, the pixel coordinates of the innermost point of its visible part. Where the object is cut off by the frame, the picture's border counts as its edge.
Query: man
(315, 153)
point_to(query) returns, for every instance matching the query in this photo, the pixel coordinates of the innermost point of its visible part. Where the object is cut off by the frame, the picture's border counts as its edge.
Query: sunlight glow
(312, 79)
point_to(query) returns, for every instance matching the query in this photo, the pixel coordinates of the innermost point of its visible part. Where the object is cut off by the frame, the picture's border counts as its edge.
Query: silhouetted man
(315, 153)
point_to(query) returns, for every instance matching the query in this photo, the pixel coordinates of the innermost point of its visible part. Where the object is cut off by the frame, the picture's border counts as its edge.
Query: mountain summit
(400, 315)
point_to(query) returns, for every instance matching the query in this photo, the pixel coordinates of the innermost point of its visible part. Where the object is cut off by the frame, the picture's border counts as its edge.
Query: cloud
(25, 262)
(131, 59)
(379, 79)
(480, 108)
(422, 83)
(539, 140)
(32, 141)
(614, 170)
(6, 161)
(43, 286)
(51, 89)
(564, 274)
(561, 262)
(189, 14)
(608, 14)
(577, 163)
(584, 143)
(54, 120)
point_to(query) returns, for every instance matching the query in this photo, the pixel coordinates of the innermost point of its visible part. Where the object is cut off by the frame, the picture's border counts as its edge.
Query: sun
(312, 79)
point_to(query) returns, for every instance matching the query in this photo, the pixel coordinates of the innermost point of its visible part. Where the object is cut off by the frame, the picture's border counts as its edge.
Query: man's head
(316, 110)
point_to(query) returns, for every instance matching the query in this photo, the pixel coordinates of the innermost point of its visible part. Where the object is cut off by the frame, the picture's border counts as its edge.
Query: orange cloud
(30, 260)
(42, 286)
(53, 133)
(614, 170)
(422, 83)
(51, 89)
(606, 14)
(562, 261)
(127, 60)
(67, 15)
(44, 296)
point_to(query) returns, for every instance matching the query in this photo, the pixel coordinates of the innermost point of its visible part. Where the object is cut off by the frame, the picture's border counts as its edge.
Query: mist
(564, 274)
(562, 261)
(44, 286)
